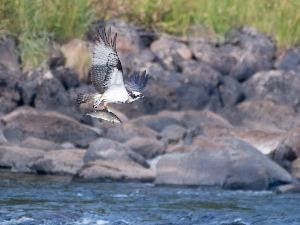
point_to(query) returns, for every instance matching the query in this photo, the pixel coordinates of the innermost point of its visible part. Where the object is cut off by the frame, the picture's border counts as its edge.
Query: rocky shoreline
(223, 114)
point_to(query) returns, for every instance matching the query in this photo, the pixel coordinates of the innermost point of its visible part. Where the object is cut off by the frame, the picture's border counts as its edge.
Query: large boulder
(114, 170)
(278, 86)
(226, 162)
(19, 159)
(295, 168)
(63, 162)
(27, 122)
(36, 143)
(106, 149)
(262, 115)
(148, 148)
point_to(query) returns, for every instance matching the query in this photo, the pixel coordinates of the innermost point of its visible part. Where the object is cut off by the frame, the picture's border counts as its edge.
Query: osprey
(107, 75)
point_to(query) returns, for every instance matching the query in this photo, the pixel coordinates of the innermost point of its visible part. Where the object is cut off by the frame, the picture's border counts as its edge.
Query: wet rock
(295, 168)
(27, 122)
(9, 56)
(226, 162)
(106, 149)
(289, 60)
(288, 189)
(114, 170)
(10, 94)
(63, 162)
(19, 159)
(148, 148)
(281, 87)
(262, 115)
(230, 91)
(36, 143)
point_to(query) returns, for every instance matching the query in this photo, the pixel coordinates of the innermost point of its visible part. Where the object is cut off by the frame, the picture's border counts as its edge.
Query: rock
(226, 162)
(280, 87)
(244, 52)
(114, 170)
(67, 77)
(31, 81)
(264, 141)
(148, 148)
(295, 168)
(106, 149)
(36, 143)
(288, 189)
(52, 95)
(159, 121)
(289, 60)
(63, 162)
(19, 159)
(230, 91)
(126, 131)
(173, 133)
(170, 52)
(10, 95)
(262, 115)
(27, 122)
(218, 57)
(55, 56)
(9, 56)
(78, 54)
(253, 51)
(200, 69)
(288, 148)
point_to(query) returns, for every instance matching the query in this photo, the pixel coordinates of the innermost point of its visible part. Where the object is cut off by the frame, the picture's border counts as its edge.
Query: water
(30, 199)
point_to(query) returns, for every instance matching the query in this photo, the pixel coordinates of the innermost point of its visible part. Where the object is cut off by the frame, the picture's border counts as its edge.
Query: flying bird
(107, 75)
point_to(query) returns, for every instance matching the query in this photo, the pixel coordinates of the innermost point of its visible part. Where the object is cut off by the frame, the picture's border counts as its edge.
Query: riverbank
(223, 114)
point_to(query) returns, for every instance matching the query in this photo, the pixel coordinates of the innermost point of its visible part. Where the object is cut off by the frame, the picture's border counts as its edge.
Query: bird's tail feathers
(83, 98)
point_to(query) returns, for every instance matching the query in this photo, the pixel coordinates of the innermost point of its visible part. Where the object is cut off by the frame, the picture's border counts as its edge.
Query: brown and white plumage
(107, 75)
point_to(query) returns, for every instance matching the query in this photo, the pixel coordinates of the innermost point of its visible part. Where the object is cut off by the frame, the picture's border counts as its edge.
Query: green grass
(36, 23)
(279, 19)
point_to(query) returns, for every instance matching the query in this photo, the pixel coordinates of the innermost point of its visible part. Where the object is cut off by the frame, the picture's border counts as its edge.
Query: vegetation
(37, 22)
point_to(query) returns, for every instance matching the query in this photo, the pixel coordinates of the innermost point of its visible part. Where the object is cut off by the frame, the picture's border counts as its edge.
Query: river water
(33, 199)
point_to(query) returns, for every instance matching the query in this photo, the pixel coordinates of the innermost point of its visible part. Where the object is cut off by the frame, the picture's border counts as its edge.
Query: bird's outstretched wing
(136, 82)
(106, 66)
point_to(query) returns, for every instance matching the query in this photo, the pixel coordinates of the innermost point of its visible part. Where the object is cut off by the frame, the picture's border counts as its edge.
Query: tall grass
(277, 18)
(36, 22)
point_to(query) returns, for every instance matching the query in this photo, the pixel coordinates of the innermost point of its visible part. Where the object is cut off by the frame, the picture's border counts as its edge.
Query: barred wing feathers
(106, 66)
(136, 82)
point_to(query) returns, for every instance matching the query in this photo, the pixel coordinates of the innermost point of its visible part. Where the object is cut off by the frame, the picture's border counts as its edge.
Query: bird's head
(134, 95)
